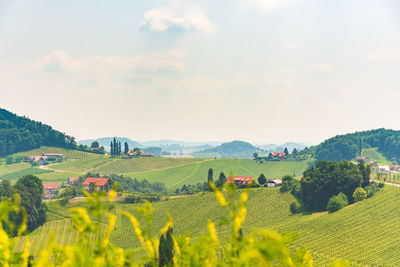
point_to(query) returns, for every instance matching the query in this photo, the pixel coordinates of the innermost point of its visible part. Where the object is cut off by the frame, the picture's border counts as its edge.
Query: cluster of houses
(51, 190)
(380, 168)
(41, 159)
(245, 180)
(138, 153)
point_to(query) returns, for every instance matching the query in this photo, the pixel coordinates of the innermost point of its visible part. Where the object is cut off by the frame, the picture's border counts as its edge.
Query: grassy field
(374, 155)
(15, 175)
(197, 172)
(68, 153)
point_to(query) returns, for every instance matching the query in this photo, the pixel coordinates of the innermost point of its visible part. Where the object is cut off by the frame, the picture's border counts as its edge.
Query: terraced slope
(122, 166)
(68, 153)
(266, 208)
(197, 172)
(365, 233)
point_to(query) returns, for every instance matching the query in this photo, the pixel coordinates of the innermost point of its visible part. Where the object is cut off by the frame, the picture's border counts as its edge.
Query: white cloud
(266, 4)
(59, 60)
(322, 67)
(184, 17)
(388, 55)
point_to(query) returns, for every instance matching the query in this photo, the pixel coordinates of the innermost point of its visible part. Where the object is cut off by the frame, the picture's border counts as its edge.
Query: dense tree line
(350, 145)
(30, 190)
(21, 134)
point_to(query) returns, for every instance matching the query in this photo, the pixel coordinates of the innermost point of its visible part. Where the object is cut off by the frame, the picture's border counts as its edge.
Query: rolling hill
(235, 149)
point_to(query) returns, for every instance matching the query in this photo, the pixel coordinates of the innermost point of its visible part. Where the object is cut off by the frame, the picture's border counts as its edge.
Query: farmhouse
(277, 155)
(50, 190)
(72, 180)
(274, 183)
(39, 159)
(101, 184)
(139, 153)
(240, 180)
(54, 155)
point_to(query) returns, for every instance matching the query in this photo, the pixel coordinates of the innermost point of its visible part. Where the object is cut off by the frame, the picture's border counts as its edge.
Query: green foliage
(30, 190)
(359, 194)
(166, 249)
(69, 192)
(326, 179)
(95, 144)
(21, 134)
(337, 202)
(294, 207)
(261, 179)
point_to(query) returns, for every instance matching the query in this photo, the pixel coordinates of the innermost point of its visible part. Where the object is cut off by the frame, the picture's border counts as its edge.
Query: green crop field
(365, 233)
(122, 166)
(10, 168)
(68, 153)
(81, 165)
(197, 172)
(374, 155)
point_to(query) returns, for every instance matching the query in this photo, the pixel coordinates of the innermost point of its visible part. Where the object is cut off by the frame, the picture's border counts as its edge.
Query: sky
(263, 71)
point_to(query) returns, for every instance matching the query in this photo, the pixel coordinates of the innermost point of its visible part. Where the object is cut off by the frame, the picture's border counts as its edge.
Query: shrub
(359, 194)
(294, 207)
(337, 202)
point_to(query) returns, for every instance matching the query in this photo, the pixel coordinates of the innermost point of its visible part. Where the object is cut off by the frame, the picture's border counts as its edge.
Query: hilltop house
(54, 155)
(274, 183)
(240, 180)
(277, 155)
(95, 183)
(38, 159)
(50, 190)
(139, 153)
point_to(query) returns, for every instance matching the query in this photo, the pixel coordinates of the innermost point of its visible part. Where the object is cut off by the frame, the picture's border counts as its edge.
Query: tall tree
(165, 249)
(261, 179)
(126, 148)
(112, 149)
(95, 144)
(210, 175)
(286, 151)
(119, 148)
(294, 151)
(30, 189)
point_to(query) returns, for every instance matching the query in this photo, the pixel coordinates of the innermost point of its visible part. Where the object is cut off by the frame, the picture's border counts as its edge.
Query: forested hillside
(21, 134)
(350, 145)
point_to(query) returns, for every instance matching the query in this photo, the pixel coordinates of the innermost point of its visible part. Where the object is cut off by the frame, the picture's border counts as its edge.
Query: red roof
(96, 181)
(50, 186)
(240, 179)
(73, 179)
(278, 154)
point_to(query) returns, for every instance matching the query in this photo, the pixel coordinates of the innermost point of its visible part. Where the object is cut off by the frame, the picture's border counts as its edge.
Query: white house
(274, 183)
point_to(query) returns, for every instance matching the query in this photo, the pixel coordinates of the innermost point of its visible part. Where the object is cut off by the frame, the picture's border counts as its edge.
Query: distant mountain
(105, 141)
(20, 134)
(235, 149)
(164, 143)
(279, 148)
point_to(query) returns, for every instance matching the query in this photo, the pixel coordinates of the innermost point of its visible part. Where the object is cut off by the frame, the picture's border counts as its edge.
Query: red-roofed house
(240, 180)
(72, 180)
(101, 183)
(50, 190)
(39, 159)
(140, 154)
(277, 155)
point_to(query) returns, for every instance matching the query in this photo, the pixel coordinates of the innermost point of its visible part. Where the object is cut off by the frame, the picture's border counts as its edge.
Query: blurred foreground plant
(93, 248)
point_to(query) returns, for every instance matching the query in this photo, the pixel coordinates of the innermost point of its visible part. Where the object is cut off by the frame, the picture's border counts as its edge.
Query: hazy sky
(266, 71)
